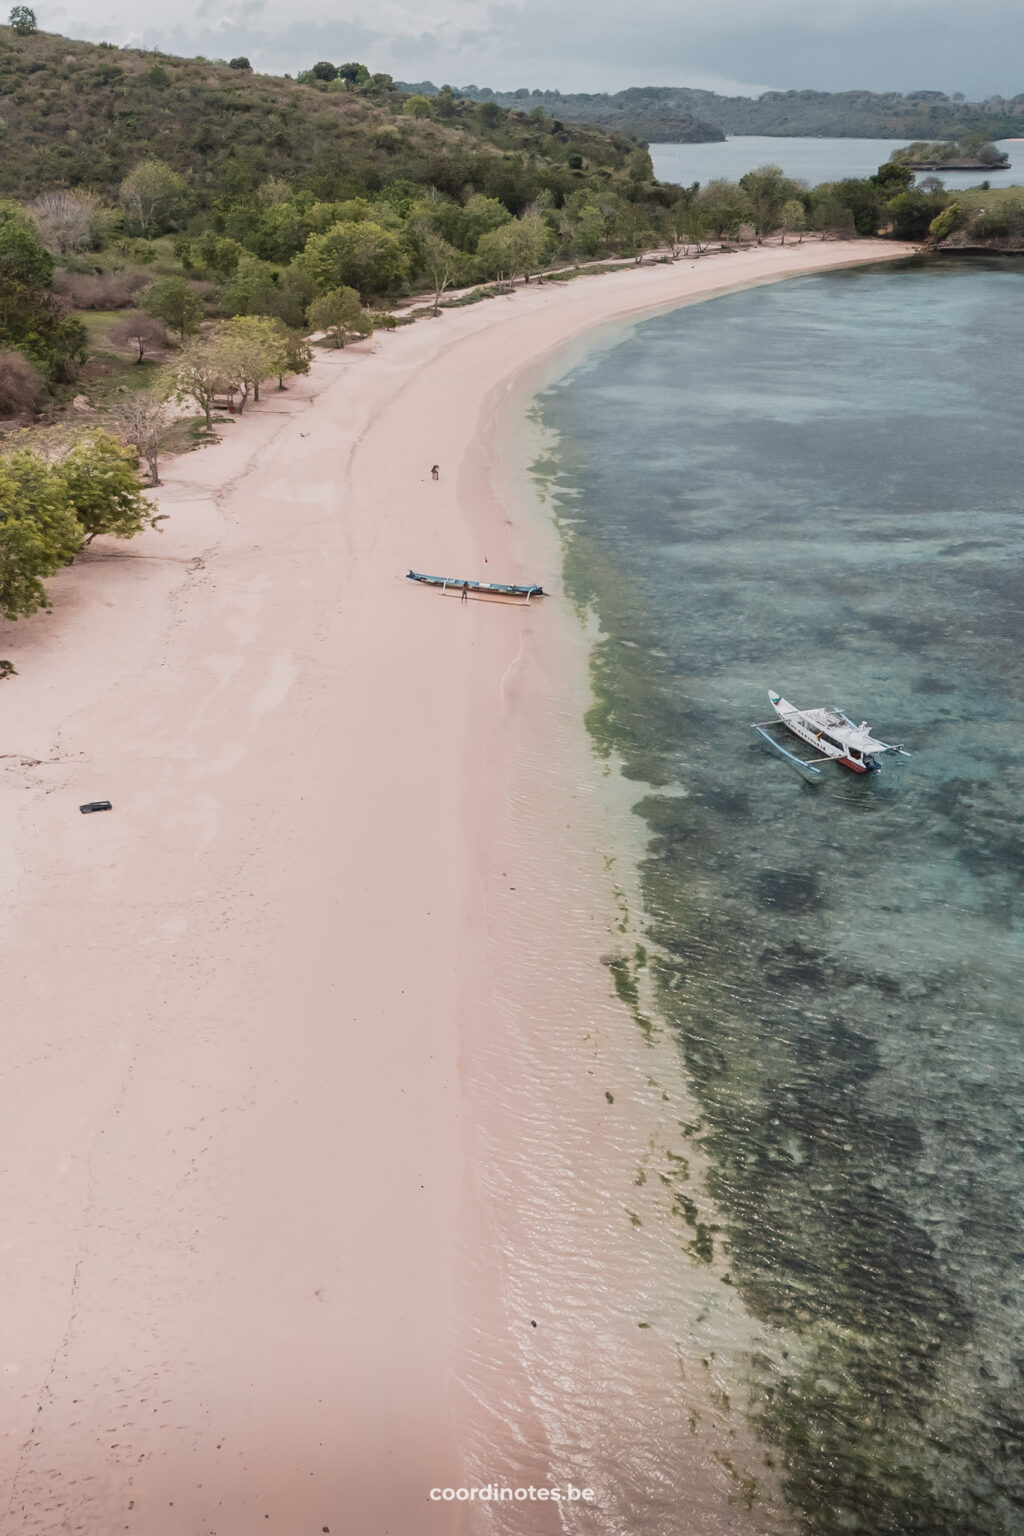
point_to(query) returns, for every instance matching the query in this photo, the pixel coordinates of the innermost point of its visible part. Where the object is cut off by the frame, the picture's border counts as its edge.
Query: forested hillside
(166, 195)
(83, 114)
(679, 115)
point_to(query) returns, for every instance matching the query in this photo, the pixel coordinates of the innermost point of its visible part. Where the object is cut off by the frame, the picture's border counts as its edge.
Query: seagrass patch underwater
(817, 487)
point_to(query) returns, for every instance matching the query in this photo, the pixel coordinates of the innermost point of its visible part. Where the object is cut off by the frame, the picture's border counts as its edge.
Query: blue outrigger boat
(499, 588)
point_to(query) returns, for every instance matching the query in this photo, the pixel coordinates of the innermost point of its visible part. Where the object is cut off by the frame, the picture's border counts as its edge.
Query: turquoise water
(810, 160)
(817, 486)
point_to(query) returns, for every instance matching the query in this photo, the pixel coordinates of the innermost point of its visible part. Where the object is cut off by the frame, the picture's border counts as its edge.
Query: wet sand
(308, 1116)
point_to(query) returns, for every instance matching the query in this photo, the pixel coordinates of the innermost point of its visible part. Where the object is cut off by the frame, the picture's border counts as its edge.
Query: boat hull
(498, 588)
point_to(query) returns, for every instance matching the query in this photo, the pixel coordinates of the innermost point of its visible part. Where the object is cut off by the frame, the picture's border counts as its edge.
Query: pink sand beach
(323, 1120)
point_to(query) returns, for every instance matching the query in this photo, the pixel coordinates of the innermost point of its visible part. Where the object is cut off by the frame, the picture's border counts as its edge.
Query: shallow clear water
(817, 487)
(805, 159)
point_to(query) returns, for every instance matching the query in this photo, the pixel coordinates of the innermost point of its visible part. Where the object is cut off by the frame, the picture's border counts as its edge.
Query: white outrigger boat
(834, 735)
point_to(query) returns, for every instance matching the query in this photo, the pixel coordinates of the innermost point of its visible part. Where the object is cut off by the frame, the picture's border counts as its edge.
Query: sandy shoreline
(275, 1033)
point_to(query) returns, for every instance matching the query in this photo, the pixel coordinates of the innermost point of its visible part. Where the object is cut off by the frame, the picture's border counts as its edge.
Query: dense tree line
(649, 115)
(280, 253)
(683, 114)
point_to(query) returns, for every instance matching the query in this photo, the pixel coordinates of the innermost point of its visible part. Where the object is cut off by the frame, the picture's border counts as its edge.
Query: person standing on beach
(465, 592)
(435, 472)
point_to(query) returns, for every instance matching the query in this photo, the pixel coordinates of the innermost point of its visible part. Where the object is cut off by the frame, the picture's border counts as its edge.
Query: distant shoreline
(953, 165)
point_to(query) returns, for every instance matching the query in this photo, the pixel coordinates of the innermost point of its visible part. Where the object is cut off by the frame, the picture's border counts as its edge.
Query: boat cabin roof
(837, 725)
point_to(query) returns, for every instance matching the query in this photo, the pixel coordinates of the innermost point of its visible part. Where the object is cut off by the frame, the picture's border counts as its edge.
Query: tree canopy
(153, 195)
(340, 314)
(515, 249)
(101, 486)
(172, 301)
(23, 20)
(31, 318)
(768, 191)
(358, 254)
(39, 532)
(23, 257)
(48, 511)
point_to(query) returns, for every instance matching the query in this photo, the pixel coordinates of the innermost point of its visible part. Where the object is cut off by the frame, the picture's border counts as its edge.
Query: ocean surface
(810, 160)
(818, 486)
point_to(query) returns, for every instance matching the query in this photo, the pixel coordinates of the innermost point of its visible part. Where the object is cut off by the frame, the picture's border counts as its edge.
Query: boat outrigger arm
(803, 763)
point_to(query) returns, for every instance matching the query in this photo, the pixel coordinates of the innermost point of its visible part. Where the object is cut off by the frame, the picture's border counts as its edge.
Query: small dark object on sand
(95, 805)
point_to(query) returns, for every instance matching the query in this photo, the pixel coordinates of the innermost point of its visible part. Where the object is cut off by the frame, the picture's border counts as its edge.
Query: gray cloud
(600, 44)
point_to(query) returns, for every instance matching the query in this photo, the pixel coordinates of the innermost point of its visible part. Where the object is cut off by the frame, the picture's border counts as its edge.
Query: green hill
(164, 193)
(82, 115)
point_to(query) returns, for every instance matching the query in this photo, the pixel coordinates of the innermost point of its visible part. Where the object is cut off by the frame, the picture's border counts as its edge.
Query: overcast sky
(580, 45)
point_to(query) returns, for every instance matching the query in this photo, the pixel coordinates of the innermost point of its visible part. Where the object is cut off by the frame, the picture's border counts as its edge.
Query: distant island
(972, 153)
(681, 115)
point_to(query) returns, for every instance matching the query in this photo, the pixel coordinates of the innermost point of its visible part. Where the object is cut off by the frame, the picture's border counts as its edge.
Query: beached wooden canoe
(500, 588)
